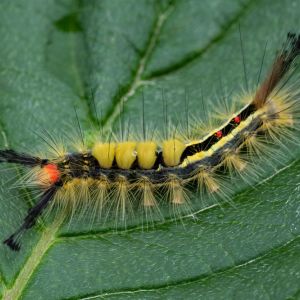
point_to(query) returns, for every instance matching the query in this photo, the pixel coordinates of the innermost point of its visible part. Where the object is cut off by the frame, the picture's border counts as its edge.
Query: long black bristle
(12, 156)
(30, 219)
(12, 243)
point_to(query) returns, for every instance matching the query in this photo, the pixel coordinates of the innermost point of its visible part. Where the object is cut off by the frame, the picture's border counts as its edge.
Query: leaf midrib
(46, 241)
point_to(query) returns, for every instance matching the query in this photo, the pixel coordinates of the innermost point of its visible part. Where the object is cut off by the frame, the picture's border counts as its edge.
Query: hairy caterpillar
(105, 175)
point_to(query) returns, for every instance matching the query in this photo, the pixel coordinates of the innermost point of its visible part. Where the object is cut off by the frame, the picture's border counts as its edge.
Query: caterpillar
(122, 175)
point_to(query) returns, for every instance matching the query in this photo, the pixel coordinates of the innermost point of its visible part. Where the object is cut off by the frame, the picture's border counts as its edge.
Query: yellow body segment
(146, 153)
(172, 151)
(105, 154)
(125, 154)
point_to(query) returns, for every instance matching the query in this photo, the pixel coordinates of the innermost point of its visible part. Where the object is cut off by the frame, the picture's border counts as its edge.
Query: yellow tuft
(205, 179)
(104, 153)
(74, 196)
(172, 151)
(146, 188)
(176, 191)
(279, 113)
(125, 154)
(234, 162)
(284, 120)
(123, 205)
(100, 195)
(146, 153)
(255, 145)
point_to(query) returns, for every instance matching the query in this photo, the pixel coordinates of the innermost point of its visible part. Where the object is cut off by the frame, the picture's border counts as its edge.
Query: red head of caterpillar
(48, 175)
(107, 173)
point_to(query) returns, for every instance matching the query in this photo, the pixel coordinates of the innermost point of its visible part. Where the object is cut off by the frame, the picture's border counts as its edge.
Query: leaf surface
(53, 54)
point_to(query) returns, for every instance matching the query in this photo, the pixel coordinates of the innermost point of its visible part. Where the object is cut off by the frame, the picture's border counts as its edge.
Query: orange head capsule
(49, 174)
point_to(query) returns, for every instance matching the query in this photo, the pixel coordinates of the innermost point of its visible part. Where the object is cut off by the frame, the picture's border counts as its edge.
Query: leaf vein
(187, 281)
(137, 80)
(192, 56)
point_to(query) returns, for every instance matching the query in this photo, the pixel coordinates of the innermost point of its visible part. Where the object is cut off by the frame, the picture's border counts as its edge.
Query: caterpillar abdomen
(120, 176)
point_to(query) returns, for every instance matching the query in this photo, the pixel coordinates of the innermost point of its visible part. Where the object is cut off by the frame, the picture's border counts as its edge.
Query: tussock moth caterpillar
(119, 176)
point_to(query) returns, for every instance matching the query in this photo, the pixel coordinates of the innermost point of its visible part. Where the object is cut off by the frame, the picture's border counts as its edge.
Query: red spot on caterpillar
(219, 134)
(237, 119)
(51, 174)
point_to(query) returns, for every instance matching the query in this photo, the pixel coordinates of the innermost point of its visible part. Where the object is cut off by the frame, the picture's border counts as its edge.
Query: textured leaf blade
(53, 54)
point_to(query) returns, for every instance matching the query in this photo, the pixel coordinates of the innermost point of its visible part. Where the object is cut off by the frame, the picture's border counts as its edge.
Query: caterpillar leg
(29, 221)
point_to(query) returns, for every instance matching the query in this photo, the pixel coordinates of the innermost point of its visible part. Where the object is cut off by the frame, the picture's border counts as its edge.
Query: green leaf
(52, 55)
